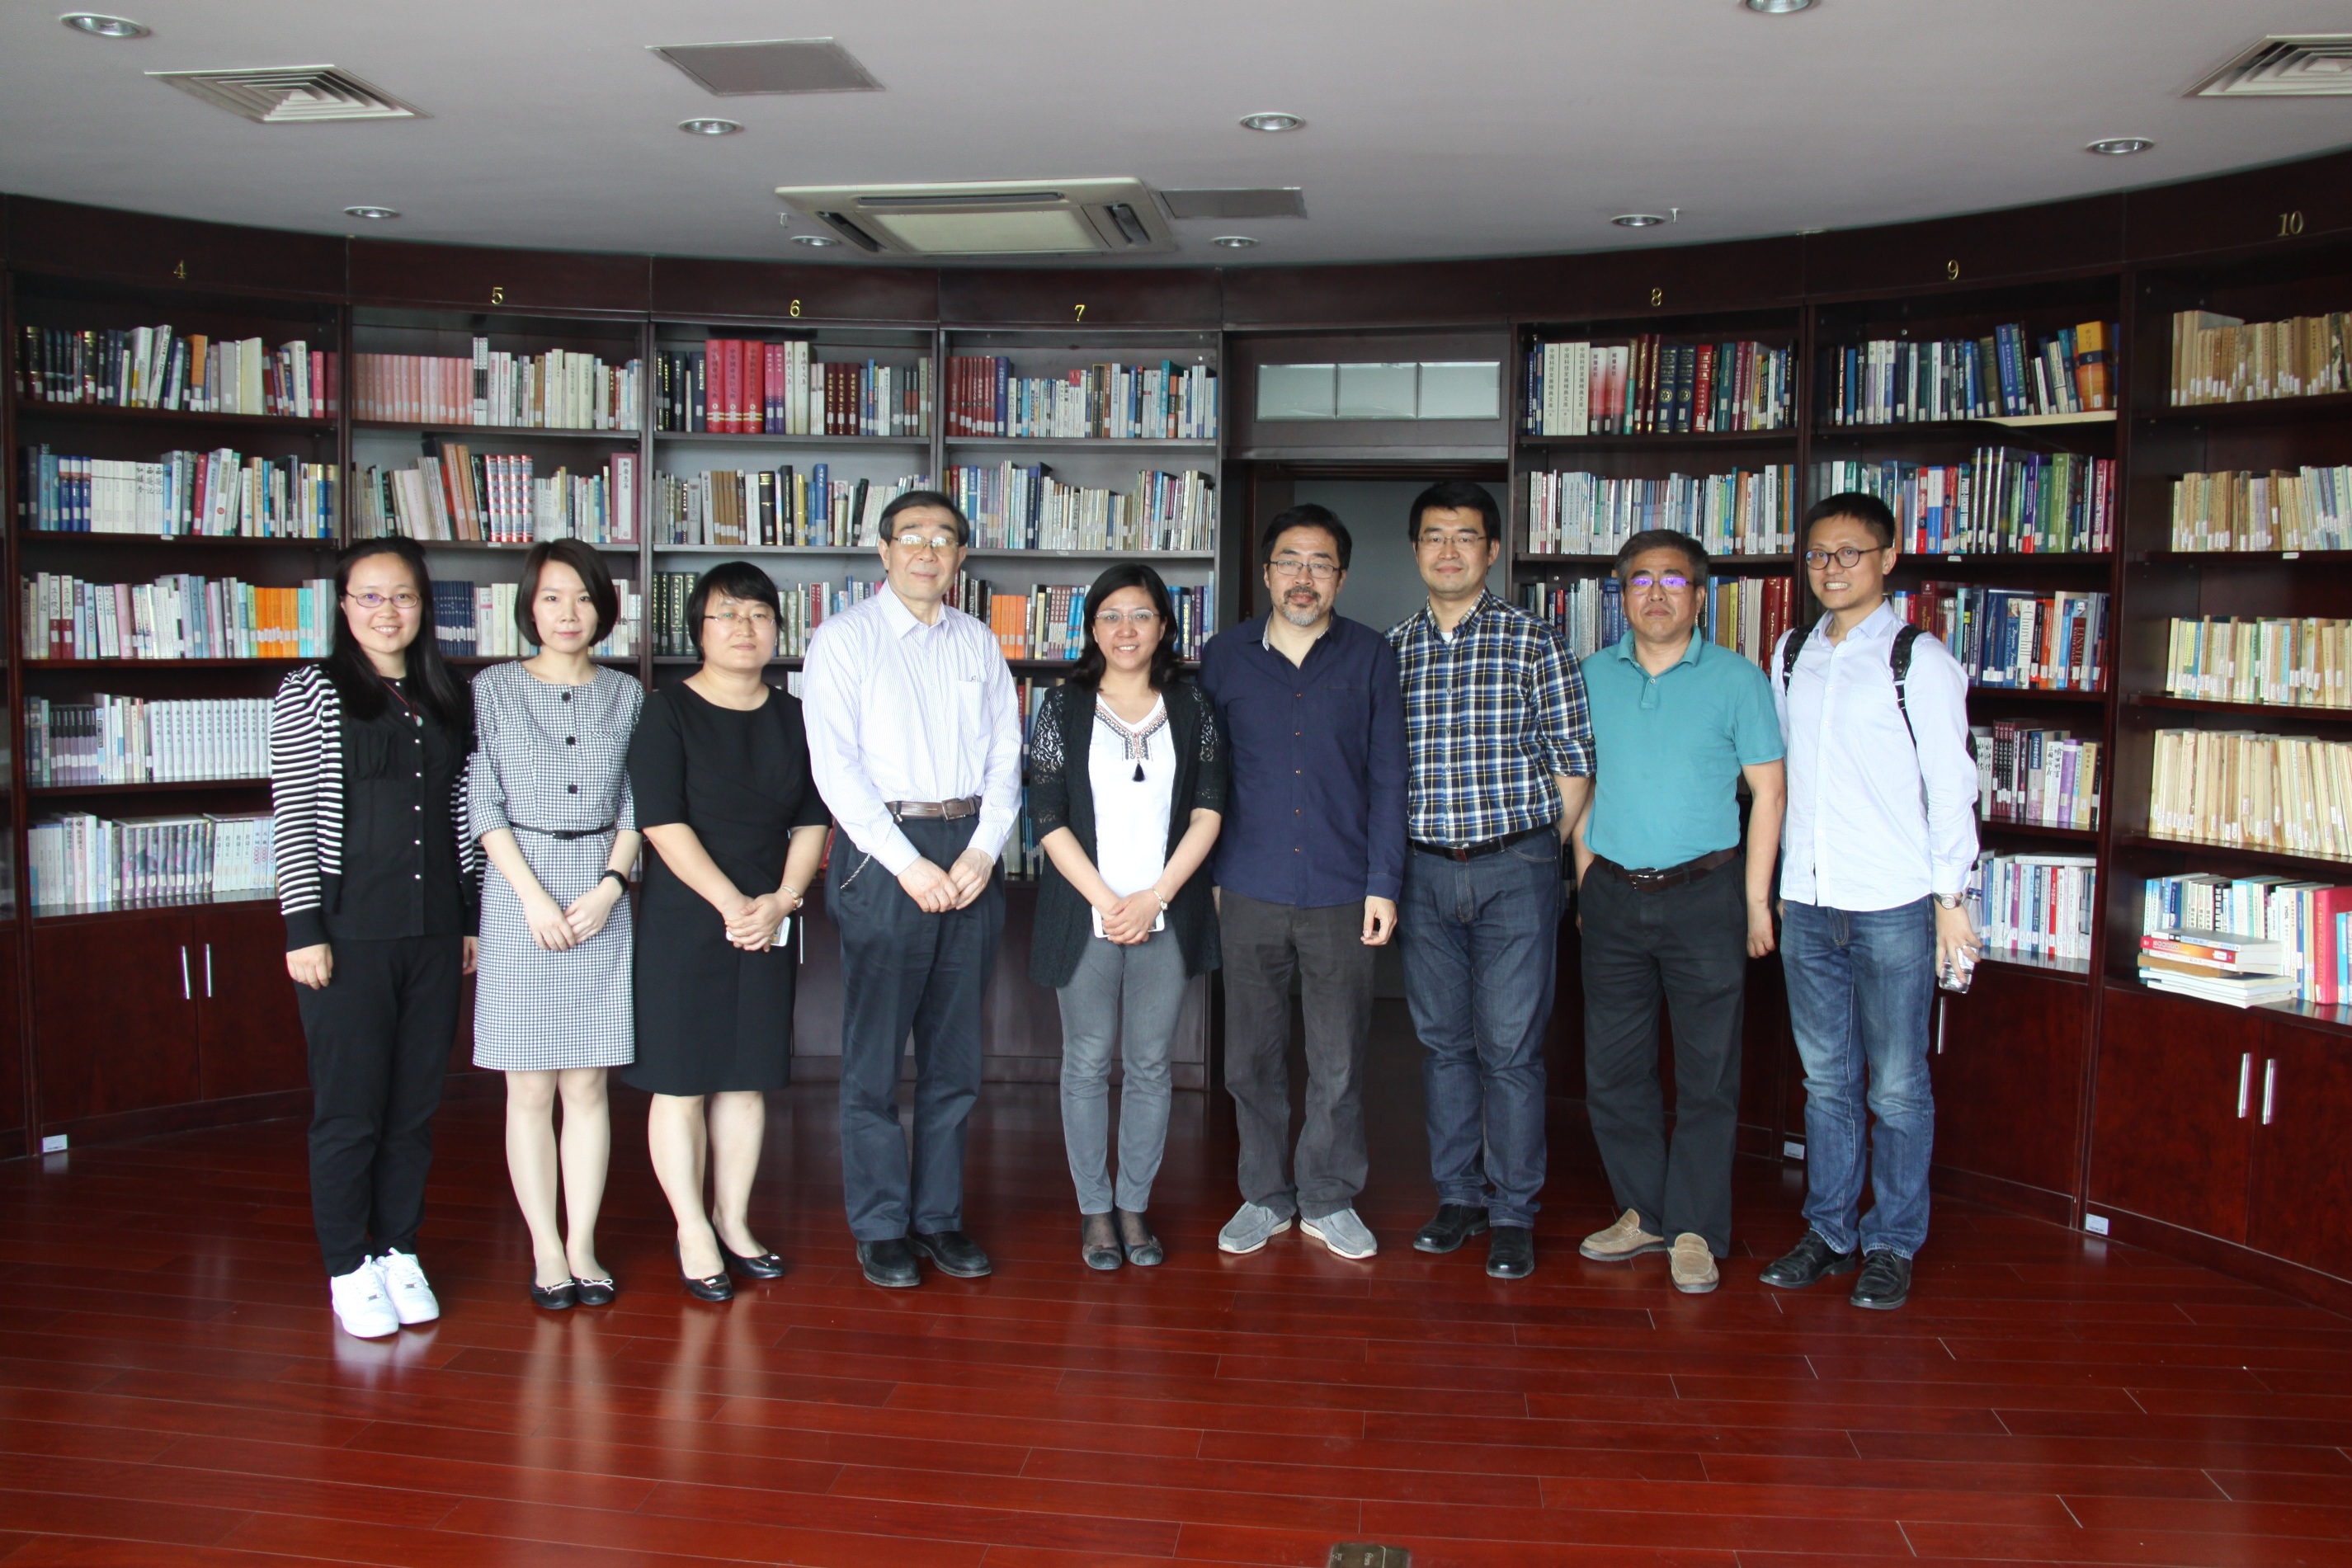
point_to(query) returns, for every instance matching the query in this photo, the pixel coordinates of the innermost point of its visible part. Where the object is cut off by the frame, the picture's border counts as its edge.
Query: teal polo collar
(1627, 651)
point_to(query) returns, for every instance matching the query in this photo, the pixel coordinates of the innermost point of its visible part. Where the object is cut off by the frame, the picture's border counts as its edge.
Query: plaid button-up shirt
(1491, 714)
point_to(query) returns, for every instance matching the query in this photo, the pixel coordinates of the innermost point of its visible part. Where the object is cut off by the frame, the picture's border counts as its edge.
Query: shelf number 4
(2290, 225)
(498, 294)
(180, 270)
(1081, 314)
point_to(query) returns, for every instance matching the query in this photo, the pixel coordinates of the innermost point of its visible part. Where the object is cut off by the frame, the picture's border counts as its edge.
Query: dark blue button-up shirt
(1315, 813)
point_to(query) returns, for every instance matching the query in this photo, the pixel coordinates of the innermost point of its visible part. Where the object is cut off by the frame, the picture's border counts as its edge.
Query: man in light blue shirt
(1882, 831)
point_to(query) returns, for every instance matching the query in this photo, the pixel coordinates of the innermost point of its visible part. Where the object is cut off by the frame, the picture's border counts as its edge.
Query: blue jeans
(1861, 983)
(1481, 951)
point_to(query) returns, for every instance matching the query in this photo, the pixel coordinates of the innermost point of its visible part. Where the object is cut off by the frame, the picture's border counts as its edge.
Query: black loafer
(713, 1288)
(1511, 1252)
(889, 1264)
(1146, 1253)
(1886, 1282)
(555, 1298)
(952, 1252)
(1807, 1263)
(1455, 1223)
(595, 1292)
(766, 1266)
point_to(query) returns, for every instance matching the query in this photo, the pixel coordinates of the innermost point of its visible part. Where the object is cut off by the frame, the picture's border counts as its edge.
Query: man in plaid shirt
(1501, 744)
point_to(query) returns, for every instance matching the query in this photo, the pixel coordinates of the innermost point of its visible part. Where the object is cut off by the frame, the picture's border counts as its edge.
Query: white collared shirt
(1875, 821)
(900, 711)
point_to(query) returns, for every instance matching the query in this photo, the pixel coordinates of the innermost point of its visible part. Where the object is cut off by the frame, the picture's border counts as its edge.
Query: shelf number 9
(1952, 271)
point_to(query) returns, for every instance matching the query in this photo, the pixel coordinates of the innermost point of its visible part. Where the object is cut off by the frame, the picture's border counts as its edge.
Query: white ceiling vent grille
(2307, 65)
(1029, 217)
(291, 95)
(770, 66)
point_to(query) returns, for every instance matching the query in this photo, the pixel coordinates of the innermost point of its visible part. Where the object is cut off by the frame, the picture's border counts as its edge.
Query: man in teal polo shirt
(1664, 909)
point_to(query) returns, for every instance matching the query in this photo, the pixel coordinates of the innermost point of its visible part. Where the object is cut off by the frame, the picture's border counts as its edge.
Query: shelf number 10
(2290, 225)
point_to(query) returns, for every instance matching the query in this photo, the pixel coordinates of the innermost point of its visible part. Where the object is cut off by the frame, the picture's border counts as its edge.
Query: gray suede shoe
(1347, 1236)
(1251, 1228)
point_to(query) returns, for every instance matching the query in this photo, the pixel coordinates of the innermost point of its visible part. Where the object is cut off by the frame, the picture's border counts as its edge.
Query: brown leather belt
(948, 811)
(1650, 879)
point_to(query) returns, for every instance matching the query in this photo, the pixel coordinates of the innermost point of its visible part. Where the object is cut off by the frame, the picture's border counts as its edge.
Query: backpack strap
(1898, 665)
(1792, 647)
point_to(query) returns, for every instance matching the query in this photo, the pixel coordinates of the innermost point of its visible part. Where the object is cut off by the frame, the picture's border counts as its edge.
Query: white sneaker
(404, 1281)
(361, 1304)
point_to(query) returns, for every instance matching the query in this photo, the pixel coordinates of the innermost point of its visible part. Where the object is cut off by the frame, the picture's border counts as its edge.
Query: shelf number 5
(2290, 225)
(1081, 314)
(498, 294)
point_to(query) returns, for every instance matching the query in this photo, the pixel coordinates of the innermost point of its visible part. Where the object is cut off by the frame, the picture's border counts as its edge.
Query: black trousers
(380, 1036)
(1687, 946)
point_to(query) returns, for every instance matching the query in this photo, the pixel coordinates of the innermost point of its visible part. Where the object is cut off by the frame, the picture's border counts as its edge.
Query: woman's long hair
(1087, 671)
(356, 681)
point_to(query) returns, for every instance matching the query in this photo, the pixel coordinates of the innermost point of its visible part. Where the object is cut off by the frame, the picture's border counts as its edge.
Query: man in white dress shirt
(914, 742)
(1881, 833)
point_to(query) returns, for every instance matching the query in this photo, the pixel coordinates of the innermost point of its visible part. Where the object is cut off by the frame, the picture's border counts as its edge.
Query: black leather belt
(1484, 846)
(1650, 879)
(948, 811)
(566, 832)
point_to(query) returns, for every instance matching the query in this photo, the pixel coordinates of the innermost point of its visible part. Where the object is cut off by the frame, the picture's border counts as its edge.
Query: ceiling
(1473, 128)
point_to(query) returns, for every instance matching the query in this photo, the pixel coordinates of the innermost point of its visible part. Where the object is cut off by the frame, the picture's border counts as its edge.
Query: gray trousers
(1130, 996)
(1265, 946)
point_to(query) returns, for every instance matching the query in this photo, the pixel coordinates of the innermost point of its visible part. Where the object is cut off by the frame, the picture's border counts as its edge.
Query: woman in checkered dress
(550, 804)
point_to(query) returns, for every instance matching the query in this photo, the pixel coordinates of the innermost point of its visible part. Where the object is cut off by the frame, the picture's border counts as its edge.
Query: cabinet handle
(2270, 1088)
(2245, 1081)
(187, 991)
(208, 971)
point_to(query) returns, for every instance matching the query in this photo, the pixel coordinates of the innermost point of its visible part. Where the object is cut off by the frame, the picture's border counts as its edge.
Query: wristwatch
(1948, 902)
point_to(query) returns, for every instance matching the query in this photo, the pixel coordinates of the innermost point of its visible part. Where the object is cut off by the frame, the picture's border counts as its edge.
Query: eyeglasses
(407, 599)
(758, 620)
(942, 543)
(1844, 555)
(1291, 565)
(1462, 540)
(1141, 620)
(1673, 583)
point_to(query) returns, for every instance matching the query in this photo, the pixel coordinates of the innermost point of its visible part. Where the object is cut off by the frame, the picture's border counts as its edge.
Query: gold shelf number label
(1081, 314)
(2290, 225)
(796, 306)
(180, 270)
(1657, 297)
(498, 294)
(1952, 271)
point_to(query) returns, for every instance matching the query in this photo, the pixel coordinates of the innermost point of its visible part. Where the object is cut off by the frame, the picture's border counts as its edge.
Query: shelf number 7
(1081, 314)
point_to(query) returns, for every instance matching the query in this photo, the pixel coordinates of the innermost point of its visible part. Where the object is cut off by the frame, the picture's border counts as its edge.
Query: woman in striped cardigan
(379, 885)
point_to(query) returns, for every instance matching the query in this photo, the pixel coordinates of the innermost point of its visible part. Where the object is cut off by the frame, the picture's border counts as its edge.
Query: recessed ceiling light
(815, 242)
(1777, 8)
(2120, 146)
(708, 126)
(1638, 220)
(1271, 120)
(99, 26)
(1233, 242)
(371, 212)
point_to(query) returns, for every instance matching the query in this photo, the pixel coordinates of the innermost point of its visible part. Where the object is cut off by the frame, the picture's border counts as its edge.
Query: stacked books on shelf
(2000, 500)
(2015, 639)
(1900, 381)
(1022, 506)
(476, 621)
(1748, 614)
(1729, 514)
(2310, 508)
(2247, 940)
(155, 367)
(2224, 359)
(1048, 622)
(1587, 612)
(80, 860)
(2293, 663)
(733, 387)
(1648, 386)
(1166, 401)
(805, 606)
(558, 390)
(211, 495)
(2034, 907)
(142, 740)
(492, 499)
(178, 616)
(2285, 793)
(2044, 777)
(769, 508)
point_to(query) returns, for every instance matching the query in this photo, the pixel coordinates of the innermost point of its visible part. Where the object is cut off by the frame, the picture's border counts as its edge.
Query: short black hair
(1649, 539)
(1862, 506)
(585, 559)
(1455, 496)
(1305, 515)
(731, 580)
(913, 499)
(1087, 671)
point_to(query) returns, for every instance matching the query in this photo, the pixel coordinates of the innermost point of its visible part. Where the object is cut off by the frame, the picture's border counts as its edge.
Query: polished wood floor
(173, 1390)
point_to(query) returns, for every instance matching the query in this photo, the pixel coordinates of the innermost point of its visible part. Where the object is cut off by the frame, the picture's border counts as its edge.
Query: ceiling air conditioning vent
(291, 95)
(1029, 217)
(2306, 65)
(770, 66)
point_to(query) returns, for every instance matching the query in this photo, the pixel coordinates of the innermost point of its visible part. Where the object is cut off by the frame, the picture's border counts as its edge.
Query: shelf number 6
(796, 306)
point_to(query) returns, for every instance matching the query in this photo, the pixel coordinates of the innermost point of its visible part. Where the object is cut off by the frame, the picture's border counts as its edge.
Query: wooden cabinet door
(2008, 1070)
(249, 1033)
(2301, 1202)
(114, 1015)
(2167, 1140)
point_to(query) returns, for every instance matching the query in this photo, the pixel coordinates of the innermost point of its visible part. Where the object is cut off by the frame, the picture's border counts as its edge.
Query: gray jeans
(1132, 996)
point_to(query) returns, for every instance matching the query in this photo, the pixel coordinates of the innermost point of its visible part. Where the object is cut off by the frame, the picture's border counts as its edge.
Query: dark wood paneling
(114, 1030)
(2301, 1203)
(2167, 1141)
(1764, 1044)
(1050, 296)
(2009, 1078)
(170, 253)
(249, 1031)
(398, 272)
(1670, 279)
(12, 1054)
(2243, 209)
(1435, 294)
(1966, 252)
(696, 289)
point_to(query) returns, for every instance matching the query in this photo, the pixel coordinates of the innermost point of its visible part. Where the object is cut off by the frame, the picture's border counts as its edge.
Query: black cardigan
(1061, 795)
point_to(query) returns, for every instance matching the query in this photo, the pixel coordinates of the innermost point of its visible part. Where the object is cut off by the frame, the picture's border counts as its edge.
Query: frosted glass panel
(1295, 392)
(1378, 392)
(1470, 389)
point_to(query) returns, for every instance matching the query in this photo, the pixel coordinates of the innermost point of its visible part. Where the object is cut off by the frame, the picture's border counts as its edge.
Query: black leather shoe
(597, 1292)
(953, 1252)
(1455, 1223)
(1511, 1252)
(1807, 1262)
(555, 1298)
(1886, 1282)
(713, 1288)
(766, 1266)
(889, 1264)
(1144, 1252)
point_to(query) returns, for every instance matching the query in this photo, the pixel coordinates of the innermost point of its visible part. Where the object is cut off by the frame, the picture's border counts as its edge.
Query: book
(1106, 401)
(157, 368)
(111, 740)
(2040, 906)
(81, 861)
(1014, 506)
(554, 390)
(1736, 513)
(2284, 793)
(2309, 508)
(1647, 386)
(496, 499)
(734, 386)
(783, 507)
(1589, 612)
(2215, 950)
(221, 494)
(2304, 662)
(2015, 639)
(2225, 359)
(2045, 778)
(2002, 500)
(177, 616)
(2004, 374)
(2237, 991)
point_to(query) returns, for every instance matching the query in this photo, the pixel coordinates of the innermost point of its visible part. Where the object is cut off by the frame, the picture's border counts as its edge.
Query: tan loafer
(1624, 1240)
(1694, 1265)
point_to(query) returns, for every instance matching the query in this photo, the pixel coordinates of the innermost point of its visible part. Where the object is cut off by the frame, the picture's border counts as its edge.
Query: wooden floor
(173, 1389)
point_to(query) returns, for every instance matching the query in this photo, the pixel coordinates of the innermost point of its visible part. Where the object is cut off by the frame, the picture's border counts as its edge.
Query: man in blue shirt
(1666, 910)
(1308, 868)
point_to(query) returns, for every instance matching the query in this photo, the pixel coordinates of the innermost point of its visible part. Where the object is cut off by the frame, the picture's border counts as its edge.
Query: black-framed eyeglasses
(1844, 555)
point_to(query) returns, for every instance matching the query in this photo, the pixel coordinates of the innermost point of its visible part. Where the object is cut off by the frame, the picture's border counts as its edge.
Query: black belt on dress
(565, 832)
(1649, 880)
(949, 811)
(1484, 846)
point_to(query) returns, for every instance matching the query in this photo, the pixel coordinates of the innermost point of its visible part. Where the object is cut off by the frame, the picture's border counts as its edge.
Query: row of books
(2016, 639)
(1014, 506)
(773, 508)
(803, 607)
(1587, 612)
(178, 616)
(558, 390)
(2294, 663)
(1903, 381)
(2247, 940)
(2310, 508)
(1048, 621)
(1650, 386)
(476, 621)
(2286, 793)
(2001, 501)
(1166, 401)
(733, 387)
(2034, 907)
(82, 861)
(1739, 513)
(154, 367)
(1745, 614)
(495, 499)
(2226, 359)
(2045, 778)
(215, 494)
(142, 740)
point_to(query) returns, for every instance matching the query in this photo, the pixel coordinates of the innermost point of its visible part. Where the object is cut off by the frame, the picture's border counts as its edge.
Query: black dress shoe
(1886, 1282)
(1146, 1253)
(555, 1298)
(889, 1264)
(953, 1252)
(597, 1292)
(766, 1266)
(1807, 1262)
(1455, 1223)
(713, 1288)
(1511, 1252)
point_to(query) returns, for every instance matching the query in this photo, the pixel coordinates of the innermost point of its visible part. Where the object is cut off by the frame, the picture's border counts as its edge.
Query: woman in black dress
(719, 769)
